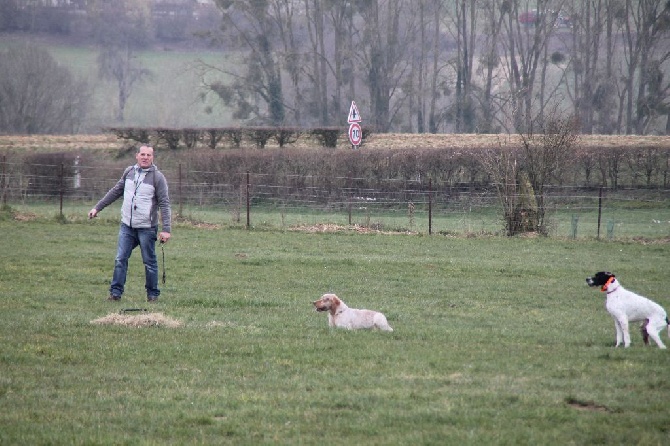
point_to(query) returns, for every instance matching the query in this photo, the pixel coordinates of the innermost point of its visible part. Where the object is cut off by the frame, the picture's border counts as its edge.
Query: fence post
(430, 206)
(77, 174)
(348, 192)
(610, 229)
(62, 184)
(575, 222)
(248, 203)
(4, 182)
(180, 195)
(600, 209)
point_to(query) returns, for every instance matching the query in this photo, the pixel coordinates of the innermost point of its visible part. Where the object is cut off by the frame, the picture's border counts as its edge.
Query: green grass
(617, 222)
(497, 341)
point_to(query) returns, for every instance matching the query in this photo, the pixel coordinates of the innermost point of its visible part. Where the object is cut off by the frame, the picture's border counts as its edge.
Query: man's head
(145, 156)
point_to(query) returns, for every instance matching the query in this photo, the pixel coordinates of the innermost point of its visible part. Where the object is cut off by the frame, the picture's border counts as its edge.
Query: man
(144, 190)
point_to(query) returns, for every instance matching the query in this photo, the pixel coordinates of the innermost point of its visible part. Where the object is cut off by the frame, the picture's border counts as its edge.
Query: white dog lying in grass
(340, 315)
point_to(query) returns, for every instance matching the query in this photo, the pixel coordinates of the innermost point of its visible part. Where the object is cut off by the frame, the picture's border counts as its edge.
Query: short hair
(144, 145)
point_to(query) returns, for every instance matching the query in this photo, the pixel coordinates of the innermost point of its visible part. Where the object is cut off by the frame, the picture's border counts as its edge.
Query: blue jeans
(129, 238)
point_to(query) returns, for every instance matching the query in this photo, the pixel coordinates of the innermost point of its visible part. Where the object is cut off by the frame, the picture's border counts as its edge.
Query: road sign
(355, 134)
(354, 116)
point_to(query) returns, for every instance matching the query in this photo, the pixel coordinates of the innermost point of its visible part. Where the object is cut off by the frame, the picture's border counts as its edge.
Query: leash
(163, 252)
(131, 310)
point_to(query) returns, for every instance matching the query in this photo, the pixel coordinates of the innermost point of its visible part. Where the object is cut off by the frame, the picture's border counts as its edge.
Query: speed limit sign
(355, 134)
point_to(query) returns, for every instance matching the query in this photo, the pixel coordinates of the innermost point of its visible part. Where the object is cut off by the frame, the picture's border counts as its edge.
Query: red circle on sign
(355, 134)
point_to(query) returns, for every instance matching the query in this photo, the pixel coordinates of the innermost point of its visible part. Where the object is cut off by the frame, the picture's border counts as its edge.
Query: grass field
(496, 341)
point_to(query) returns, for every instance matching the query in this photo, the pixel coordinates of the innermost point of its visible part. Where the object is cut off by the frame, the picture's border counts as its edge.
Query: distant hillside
(171, 98)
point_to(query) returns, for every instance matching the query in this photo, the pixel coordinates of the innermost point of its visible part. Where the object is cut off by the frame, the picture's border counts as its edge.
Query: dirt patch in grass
(138, 320)
(651, 241)
(586, 405)
(24, 216)
(325, 227)
(191, 222)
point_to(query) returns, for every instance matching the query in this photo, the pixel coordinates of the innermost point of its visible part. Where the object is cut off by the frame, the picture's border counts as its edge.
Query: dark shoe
(152, 299)
(114, 298)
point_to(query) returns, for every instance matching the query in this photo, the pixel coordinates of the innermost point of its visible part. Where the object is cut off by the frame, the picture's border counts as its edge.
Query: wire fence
(317, 203)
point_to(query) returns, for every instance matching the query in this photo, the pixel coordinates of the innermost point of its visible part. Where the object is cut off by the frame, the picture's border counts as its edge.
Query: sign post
(355, 131)
(355, 134)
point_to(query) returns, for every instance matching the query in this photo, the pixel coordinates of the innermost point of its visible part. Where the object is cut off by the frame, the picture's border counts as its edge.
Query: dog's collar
(607, 284)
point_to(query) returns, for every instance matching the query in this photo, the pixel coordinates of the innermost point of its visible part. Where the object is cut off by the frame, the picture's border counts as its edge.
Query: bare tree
(584, 47)
(547, 151)
(384, 56)
(502, 165)
(334, 39)
(37, 95)
(464, 30)
(258, 29)
(524, 47)
(489, 60)
(122, 28)
(522, 174)
(652, 41)
(341, 18)
(319, 61)
(604, 95)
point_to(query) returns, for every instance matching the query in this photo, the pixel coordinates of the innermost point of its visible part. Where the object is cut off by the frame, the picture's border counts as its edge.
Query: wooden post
(349, 197)
(248, 203)
(3, 181)
(600, 210)
(62, 187)
(180, 194)
(430, 206)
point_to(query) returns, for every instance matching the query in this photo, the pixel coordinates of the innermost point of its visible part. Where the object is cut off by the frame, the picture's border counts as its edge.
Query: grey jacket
(144, 192)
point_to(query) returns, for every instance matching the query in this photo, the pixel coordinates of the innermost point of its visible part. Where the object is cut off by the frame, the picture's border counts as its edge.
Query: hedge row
(233, 137)
(589, 167)
(296, 172)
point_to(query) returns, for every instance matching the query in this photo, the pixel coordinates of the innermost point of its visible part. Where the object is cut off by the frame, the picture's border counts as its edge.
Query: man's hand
(163, 237)
(92, 213)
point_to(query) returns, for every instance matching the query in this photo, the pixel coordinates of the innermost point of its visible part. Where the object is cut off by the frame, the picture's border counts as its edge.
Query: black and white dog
(626, 306)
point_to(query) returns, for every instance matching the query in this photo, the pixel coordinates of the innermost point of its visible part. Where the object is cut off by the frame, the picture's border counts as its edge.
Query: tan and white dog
(341, 316)
(626, 306)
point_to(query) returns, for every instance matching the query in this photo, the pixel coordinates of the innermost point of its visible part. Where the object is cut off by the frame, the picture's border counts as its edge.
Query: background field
(169, 98)
(497, 341)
